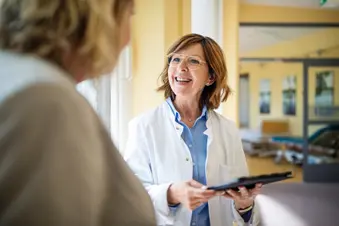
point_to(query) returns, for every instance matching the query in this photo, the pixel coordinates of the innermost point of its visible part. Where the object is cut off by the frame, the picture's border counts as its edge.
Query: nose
(183, 66)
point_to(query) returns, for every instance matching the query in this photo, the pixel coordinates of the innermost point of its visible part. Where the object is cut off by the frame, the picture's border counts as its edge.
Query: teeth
(182, 80)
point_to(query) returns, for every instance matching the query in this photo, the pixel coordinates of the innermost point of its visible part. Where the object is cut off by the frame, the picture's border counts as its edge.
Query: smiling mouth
(177, 79)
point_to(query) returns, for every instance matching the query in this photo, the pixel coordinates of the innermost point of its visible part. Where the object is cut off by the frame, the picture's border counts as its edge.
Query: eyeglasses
(193, 62)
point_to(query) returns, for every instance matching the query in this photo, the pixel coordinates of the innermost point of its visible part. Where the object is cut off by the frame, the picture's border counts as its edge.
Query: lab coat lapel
(208, 132)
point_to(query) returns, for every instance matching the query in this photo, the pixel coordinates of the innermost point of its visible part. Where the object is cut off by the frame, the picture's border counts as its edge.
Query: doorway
(244, 101)
(321, 120)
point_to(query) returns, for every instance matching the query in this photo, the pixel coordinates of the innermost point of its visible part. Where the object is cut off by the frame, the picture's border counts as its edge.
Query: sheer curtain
(111, 97)
(121, 99)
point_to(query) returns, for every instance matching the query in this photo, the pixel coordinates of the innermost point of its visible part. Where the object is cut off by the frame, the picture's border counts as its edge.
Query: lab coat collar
(172, 116)
(175, 118)
(177, 114)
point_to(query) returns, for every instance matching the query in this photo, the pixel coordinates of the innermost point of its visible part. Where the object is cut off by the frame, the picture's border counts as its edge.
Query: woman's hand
(191, 194)
(244, 198)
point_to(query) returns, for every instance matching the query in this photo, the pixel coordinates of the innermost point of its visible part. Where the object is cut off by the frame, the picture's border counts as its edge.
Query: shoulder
(225, 122)
(224, 125)
(51, 113)
(20, 72)
(46, 100)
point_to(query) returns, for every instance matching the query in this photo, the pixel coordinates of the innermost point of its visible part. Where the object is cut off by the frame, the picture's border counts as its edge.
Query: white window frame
(111, 97)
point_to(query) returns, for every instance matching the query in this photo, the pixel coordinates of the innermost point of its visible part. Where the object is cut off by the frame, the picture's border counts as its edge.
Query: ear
(211, 80)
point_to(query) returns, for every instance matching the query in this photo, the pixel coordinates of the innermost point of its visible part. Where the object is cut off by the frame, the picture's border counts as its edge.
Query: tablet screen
(251, 181)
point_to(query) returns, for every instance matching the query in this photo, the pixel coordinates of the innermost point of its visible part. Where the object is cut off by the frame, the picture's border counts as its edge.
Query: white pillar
(207, 20)
(230, 45)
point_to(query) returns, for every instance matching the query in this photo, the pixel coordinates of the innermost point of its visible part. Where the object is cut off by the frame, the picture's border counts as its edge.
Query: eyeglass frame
(170, 56)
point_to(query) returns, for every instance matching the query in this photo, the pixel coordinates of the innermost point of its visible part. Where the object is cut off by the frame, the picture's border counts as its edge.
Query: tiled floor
(267, 165)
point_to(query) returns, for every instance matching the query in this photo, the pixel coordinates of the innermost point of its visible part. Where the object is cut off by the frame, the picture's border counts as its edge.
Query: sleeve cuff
(173, 209)
(163, 210)
(239, 219)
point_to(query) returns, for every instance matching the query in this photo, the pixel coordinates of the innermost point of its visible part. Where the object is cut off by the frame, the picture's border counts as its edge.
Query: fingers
(244, 193)
(240, 195)
(201, 194)
(256, 190)
(197, 194)
(233, 194)
(195, 184)
(200, 191)
(228, 196)
(220, 193)
(195, 201)
(194, 205)
(258, 186)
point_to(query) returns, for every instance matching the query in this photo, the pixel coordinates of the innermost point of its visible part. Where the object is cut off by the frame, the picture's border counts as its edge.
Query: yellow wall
(177, 15)
(148, 50)
(274, 14)
(275, 72)
(186, 16)
(230, 47)
(156, 25)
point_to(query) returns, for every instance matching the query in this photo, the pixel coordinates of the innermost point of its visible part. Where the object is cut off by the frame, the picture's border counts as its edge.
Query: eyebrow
(188, 55)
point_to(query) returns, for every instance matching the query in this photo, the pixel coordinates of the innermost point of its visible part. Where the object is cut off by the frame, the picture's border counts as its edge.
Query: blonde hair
(50, 29)
(214, 94)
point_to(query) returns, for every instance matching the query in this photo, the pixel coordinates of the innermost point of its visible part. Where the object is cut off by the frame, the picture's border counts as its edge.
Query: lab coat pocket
(228, 173)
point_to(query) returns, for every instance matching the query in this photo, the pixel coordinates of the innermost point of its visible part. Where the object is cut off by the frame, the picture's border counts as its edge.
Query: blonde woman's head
(86, 34)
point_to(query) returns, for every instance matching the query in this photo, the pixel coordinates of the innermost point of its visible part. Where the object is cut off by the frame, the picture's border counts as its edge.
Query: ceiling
(287, 3)
(255, 38)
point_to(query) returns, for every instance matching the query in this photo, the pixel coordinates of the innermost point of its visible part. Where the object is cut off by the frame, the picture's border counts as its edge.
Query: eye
(194, 61)
(176, 60)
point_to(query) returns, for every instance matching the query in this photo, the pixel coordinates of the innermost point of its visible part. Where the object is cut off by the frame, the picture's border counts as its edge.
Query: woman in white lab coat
(183, 145)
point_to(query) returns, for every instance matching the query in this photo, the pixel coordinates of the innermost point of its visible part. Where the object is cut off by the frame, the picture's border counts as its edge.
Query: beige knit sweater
(58, 165)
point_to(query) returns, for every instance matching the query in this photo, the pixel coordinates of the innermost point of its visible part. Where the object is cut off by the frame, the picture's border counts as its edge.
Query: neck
(189, 109)
(77, 73)
(74, 66)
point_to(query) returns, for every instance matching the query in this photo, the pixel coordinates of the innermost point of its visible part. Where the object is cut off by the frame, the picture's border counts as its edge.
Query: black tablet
(251, 181)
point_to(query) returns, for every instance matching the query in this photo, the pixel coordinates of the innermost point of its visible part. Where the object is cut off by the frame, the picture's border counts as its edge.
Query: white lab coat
(159, 156)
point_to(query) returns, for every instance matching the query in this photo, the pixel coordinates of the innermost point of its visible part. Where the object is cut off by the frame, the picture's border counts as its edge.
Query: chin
(184, 95)
(180, 92)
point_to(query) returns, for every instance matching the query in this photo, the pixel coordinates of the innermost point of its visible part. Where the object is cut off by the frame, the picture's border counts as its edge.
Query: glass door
(321, 120)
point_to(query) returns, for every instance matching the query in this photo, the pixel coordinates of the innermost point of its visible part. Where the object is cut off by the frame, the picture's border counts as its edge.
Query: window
(110, 96)
(89, 91)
